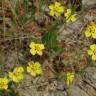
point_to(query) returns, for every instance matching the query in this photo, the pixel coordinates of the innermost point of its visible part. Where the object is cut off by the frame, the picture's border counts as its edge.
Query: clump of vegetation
(30, 29)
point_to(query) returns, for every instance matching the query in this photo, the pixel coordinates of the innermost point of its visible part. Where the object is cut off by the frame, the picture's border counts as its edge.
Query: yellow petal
(51, 6)
(10, 74)
(57, 4)
(39, 71)
(28, 69)
(42, 46)
(94, 57)
(68, 20)
(69, 11)
(57, 14)
(67, 14)
(37, 65)
(20, 76)
(33, 73)
(31, 44)
(20, 69)
(6, 87)
(30, 63)
(73, 18)
(87, 33)
(15, 79)
(32, 51)
(68, 82)
(5, 80)
(92, 47)
(94, 35)
(70, 78)
(40, 53)
(61, 9)
(90, 52)
(51, 13)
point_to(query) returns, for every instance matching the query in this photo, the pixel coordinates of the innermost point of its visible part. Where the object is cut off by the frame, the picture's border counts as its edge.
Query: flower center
(2, 84)
(37, 48)
(33, 68)
(16, 73)
(56, 9)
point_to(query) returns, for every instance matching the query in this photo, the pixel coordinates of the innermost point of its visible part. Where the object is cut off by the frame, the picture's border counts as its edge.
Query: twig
(19, 38)
(4, 30)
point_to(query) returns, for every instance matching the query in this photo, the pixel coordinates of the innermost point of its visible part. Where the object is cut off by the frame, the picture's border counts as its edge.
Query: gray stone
(88, 2)
(89, 76)
(76, 91)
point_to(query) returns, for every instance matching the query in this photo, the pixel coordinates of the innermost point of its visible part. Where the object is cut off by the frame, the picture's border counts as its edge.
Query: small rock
(76, 91)
(89, 76)
(88, 2)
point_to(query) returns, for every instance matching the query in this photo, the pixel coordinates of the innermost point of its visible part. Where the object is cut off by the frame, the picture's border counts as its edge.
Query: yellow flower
(90, 31)
(70, 16)
(3, 83)
(92, 51)
(34, 68)
(70, 77)
(56, 10)
(17, 74)
(36, 48)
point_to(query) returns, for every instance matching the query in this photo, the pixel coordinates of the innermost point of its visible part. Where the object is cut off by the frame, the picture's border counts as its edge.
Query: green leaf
(50, 38)
(12, 94)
